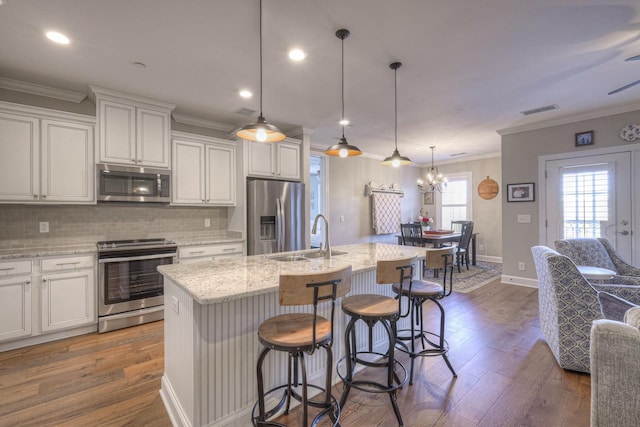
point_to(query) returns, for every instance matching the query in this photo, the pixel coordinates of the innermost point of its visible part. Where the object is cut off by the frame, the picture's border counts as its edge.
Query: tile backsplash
(72, 225)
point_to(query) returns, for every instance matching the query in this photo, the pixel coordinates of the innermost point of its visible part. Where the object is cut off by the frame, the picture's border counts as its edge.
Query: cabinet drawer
(14, 268)
(204, 251)
(67, 263)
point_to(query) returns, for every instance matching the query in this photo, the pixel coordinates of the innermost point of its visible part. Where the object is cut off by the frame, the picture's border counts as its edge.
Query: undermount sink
(289, 258)
(321, 254)
(303, 257)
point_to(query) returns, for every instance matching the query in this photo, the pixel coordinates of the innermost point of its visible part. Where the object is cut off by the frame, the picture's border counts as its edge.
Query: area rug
(468, 280)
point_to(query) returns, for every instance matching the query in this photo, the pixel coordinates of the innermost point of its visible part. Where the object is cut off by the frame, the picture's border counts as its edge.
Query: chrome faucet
(314, 230)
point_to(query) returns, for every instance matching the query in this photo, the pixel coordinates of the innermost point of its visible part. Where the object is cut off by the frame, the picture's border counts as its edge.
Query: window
(455, 200)
(585, 201)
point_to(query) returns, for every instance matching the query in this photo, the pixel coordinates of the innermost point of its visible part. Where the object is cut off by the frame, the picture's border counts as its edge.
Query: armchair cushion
(586, 252)
(615, 397)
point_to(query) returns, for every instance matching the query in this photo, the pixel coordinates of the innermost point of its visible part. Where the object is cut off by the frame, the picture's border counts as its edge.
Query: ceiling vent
(539, 110)
(457, 154)
(246, 111)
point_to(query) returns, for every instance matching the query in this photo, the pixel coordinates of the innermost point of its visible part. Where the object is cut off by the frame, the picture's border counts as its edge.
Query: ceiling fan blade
(633, 58)
(620, 89)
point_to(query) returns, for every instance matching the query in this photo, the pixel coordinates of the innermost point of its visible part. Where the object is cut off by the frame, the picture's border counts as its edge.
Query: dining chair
(411, 234)
(462, 252)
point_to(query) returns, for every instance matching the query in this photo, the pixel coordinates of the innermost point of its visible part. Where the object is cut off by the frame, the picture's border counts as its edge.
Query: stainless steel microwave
(133, 184)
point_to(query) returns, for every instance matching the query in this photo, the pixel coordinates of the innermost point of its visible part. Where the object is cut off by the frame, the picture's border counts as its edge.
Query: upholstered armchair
(599, 253)
(568, 306)
(615, 344)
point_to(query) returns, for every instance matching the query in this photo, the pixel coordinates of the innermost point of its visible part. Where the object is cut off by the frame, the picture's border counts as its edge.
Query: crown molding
(590, 115)
(34, 89)
(196, 121)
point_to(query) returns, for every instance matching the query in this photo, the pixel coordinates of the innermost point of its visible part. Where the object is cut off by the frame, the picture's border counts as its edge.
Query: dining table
(437, 239)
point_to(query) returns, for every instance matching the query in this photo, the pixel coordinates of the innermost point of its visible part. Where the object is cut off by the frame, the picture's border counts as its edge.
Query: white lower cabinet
(191, 254)
(68, 299)
(15, 299)
(44, 299)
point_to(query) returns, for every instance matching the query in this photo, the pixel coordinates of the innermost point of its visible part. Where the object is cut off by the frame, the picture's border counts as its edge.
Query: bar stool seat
(293, 331)
(421, 288)
(373, 309)
(370, 305)
(299, 335)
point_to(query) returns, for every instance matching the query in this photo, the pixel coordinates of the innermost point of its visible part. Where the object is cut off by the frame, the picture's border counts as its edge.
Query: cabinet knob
(133, 160)
(44, 196)
(35, 196)
(28, 282)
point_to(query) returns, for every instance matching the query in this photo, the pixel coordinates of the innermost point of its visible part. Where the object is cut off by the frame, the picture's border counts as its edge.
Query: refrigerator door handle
(279, 225)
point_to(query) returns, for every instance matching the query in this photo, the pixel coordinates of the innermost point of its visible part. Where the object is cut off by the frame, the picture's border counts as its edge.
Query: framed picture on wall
(427, 198)
(584, 138)
(521, 192)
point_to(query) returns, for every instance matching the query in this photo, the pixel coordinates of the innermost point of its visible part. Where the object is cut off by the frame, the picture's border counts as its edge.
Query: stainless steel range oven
(130, 288)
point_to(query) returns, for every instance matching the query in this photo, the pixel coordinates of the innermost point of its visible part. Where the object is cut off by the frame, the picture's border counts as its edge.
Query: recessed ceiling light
(245, 93)
(297, 54)
(57, 37)
(344, 122)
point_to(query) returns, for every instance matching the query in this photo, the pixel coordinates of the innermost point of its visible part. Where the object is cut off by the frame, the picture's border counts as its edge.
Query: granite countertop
(90, 248)
(210, 282)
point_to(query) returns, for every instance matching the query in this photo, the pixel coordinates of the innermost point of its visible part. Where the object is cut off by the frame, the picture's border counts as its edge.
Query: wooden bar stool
(375, 309)
(299, 334)
(417, 293)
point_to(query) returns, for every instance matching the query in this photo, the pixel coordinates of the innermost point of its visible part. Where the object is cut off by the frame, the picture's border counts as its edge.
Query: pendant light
(343, 148)
(261, 131)
(435, 180)
(396, 159)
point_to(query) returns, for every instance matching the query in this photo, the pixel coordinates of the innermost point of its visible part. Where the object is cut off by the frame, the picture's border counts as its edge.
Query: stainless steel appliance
(130, 288)
(133, 184)
(275, 217)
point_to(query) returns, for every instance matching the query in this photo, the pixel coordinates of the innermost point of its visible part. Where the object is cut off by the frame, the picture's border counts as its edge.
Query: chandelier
(435, 180)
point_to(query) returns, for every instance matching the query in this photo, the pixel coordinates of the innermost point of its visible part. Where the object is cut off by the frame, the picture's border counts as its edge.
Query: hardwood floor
(506, 376)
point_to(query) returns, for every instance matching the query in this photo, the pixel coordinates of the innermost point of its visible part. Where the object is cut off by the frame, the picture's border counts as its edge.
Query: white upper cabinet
(132, 130)
(279, 160)
(203, 171)
(45, 156)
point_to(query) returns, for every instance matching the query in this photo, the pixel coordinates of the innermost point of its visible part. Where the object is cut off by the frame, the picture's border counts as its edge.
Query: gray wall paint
(346, 186)
(486, 214)
(520, 152)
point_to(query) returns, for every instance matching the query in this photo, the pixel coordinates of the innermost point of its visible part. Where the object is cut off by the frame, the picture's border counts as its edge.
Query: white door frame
(634, 149)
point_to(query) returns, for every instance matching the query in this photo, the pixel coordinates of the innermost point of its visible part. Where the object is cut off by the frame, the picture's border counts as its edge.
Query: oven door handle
(136, 258)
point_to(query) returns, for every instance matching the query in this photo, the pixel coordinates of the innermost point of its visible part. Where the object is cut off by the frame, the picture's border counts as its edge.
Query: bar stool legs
(348, 365)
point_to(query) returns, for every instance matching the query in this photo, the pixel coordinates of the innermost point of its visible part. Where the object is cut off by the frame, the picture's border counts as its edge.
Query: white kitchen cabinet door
(19, 157)
(15, 308)
(67, 162)
(152, 138)
(288, 160)
(221, 175)
(68, 300)
(188, 184)
(261, 159)
(274, 160)
(117, 132)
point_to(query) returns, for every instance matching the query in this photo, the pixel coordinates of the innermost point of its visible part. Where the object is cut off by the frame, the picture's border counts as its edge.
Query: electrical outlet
(175, 305)
(44, 227)
(524, 219)
(207, 222)
(521, 266)
(341, 218)
(481, 247)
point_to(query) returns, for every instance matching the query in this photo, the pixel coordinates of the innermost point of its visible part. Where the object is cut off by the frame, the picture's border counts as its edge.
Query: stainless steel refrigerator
(275, 217)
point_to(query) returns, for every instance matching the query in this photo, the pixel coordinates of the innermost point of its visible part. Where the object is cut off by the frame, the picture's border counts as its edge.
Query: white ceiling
(469, 67)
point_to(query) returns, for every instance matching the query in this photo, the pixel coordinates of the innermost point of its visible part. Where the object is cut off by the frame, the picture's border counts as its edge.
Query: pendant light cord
(343, 86)
(395, 91)
(260, 57)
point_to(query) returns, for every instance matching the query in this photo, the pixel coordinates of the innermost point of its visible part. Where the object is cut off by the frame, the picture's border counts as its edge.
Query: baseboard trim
(487, 258)
(520, 281)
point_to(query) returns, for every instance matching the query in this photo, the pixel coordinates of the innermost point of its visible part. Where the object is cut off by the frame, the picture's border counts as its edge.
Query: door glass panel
(317, 203)
(585, 202)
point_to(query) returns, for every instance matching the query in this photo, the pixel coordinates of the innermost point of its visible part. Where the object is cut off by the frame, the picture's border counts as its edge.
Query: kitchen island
(212, 313)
